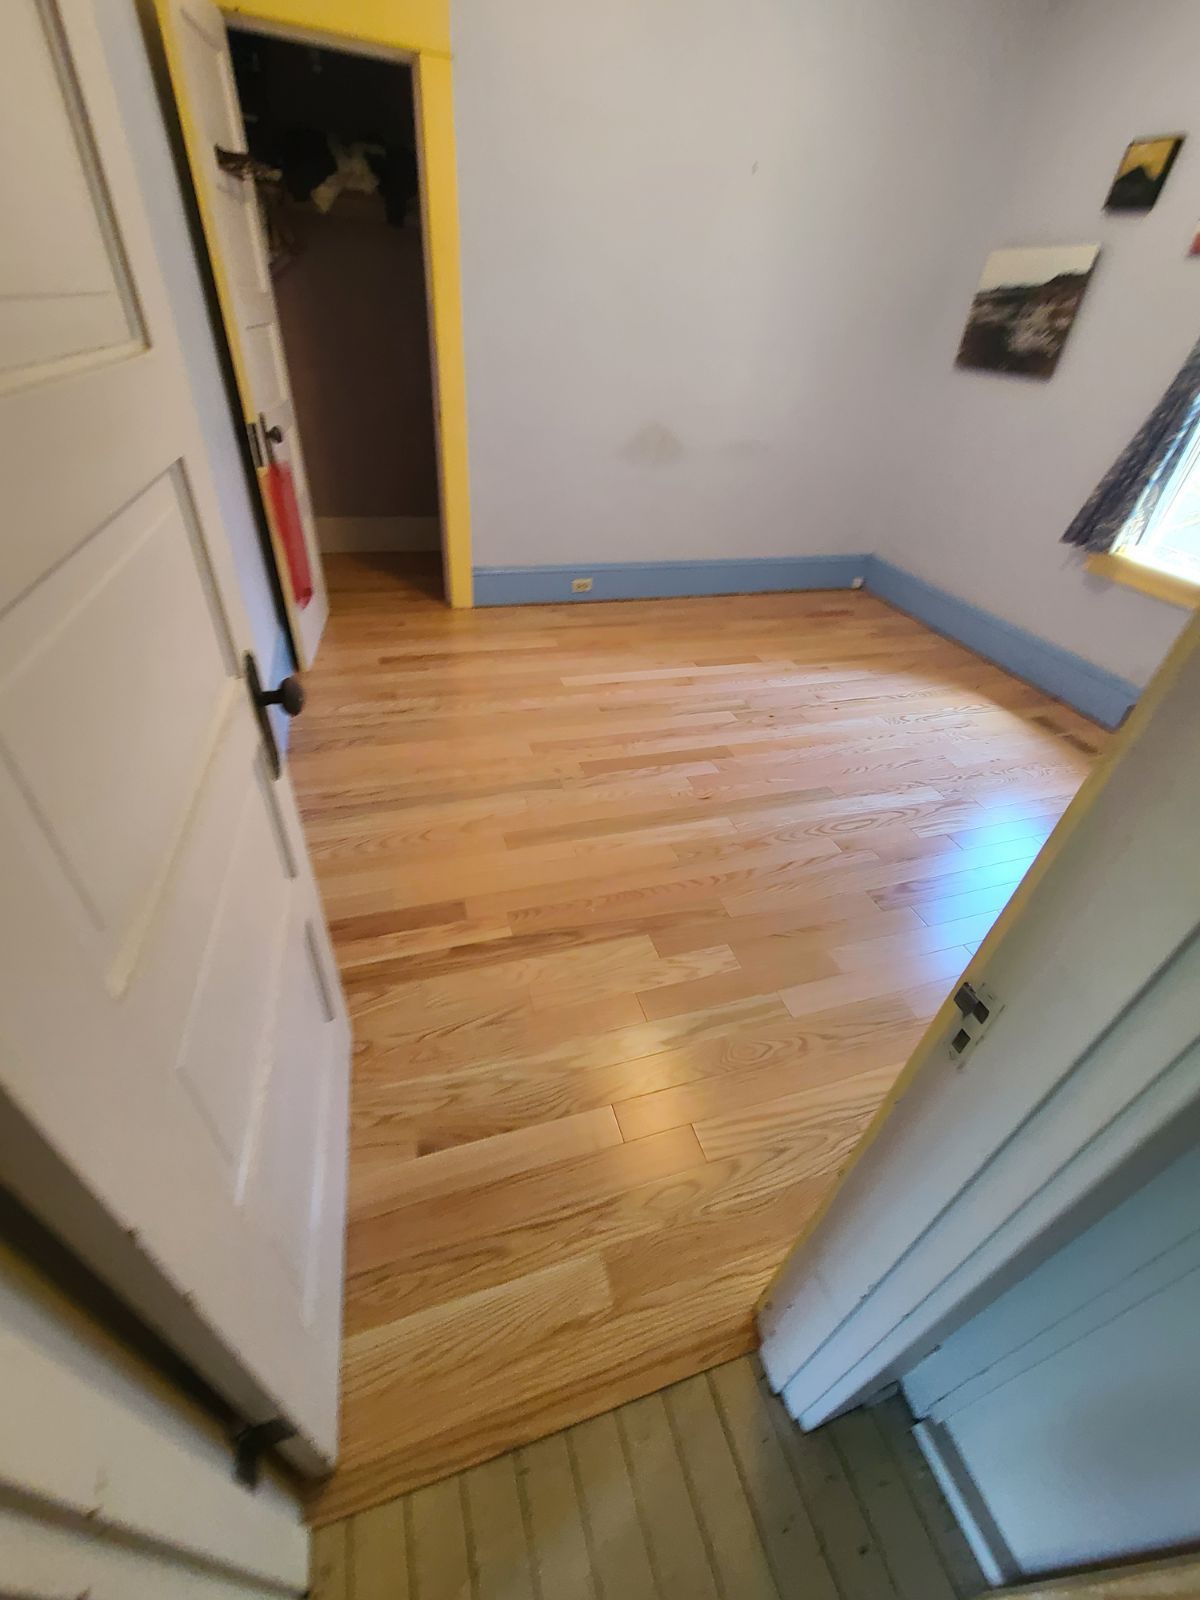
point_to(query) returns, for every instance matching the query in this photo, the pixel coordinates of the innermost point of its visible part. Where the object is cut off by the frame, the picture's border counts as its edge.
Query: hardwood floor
(640, 908)
(704, 1490)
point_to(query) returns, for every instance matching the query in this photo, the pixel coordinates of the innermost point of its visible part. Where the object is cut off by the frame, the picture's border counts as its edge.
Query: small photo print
(1024, 307)
(1142, 173)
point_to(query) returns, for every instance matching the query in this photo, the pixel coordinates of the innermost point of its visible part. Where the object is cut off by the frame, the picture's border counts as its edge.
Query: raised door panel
(64, 291)
(285, 1181)
(80, 408)
(238, 980)
(114, 672)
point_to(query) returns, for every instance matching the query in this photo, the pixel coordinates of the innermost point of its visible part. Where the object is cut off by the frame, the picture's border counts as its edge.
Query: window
(1170, 540)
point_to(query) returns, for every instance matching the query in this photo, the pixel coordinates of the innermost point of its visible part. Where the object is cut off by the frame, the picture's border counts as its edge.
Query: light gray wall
(717, 259)
(987, 470)
(697, 241)
(1072, 1399)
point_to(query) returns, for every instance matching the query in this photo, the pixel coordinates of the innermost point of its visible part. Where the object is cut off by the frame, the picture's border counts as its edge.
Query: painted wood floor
(640, 908)
(705, 1491)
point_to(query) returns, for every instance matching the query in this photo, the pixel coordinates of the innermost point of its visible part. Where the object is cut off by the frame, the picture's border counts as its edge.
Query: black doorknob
(289, 696)
(274, 433)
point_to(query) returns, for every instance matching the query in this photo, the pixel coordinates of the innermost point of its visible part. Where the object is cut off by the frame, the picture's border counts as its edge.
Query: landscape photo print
(1142, 173)
(1024, 306)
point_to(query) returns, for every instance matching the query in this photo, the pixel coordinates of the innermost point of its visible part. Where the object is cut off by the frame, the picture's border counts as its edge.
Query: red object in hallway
(285, 512)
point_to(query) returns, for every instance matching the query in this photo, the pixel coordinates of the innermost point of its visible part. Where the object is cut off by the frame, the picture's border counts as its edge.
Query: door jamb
(416, 31)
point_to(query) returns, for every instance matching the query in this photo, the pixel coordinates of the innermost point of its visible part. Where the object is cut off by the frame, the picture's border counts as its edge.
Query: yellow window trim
(1147, 580)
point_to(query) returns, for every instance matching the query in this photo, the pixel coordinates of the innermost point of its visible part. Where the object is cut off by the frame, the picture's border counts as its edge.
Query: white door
(202, 72)
(173, 1039)
(984, 1157)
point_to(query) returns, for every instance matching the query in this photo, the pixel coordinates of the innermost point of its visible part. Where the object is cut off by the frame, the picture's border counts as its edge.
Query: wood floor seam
(644, 1523)
(738, 1469)
(682, 1457)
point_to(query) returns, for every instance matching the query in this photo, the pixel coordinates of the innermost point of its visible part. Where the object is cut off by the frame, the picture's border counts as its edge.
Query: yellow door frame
(419, 32)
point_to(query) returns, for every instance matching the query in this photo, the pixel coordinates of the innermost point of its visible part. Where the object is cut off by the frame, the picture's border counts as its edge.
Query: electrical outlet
(580, 585)
(856, 583)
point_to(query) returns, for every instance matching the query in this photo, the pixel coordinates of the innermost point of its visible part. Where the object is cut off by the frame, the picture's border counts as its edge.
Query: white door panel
(238, 978)
(170, 1014)
(282, 1193)
(202, 70)
(119, 652)
(64, 291)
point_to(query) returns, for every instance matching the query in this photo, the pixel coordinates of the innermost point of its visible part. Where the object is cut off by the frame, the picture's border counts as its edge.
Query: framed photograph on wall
(1142, 173)
(1024, 307)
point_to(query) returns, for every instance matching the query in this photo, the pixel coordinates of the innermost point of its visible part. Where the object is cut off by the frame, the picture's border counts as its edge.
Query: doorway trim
(417, 31)
(967, 1173)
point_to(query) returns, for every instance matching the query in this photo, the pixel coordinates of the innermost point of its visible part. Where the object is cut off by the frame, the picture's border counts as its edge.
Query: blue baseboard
(1098, 694)
(660, 580)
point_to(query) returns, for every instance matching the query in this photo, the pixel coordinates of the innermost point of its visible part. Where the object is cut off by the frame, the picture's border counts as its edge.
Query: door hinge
(252, 1443)
(978, 1006)
(256, 449)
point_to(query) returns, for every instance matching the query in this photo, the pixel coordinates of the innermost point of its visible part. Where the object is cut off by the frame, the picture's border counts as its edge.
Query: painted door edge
(1008, 923)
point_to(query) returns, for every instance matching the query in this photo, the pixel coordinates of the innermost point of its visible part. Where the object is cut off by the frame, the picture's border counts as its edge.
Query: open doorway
(333, 141)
